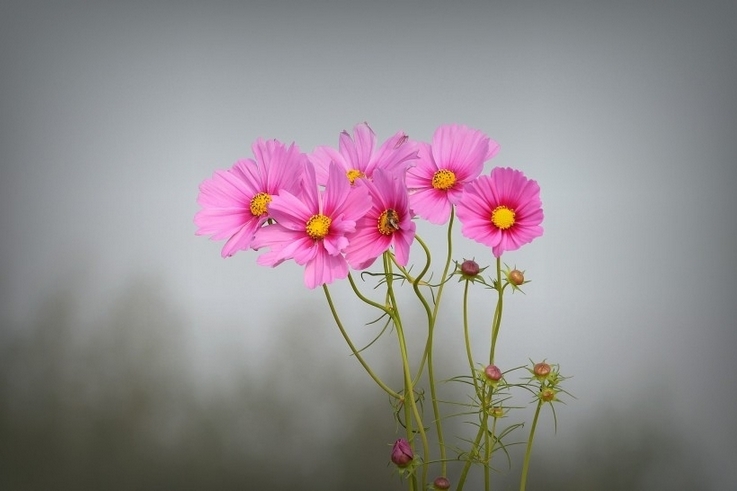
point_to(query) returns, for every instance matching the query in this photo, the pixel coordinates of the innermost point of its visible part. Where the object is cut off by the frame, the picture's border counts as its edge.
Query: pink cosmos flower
(502, 210)
(387, 223)
(311, 227)
(456, 157)
(235, 202)
(358, 157)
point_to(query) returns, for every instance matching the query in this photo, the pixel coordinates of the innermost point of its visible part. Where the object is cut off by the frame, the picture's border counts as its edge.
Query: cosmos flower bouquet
(338, 212)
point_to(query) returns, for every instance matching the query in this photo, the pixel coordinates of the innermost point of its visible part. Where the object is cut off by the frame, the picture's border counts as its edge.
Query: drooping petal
(322, 157)
(395, 154)
(432, 205)
(358, 156)
(324, 269)
(241, 240)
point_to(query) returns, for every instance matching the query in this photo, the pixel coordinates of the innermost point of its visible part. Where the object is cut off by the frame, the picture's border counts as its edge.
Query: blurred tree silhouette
(113, 406)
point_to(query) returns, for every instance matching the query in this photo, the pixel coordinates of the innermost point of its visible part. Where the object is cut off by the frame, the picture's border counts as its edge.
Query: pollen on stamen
(502, 217)
(388, 222)
(443, 179)
(354, 174)
(318, 226)
(259, 204)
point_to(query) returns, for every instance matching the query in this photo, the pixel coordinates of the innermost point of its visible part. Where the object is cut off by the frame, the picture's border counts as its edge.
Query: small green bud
(547, 394)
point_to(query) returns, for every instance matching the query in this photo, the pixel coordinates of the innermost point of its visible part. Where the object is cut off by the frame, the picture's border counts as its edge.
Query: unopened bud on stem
(547, 395)
(516, 277)
(441, 483)
(493, 373)
(541, 370)
(402, 453)
(469, 267)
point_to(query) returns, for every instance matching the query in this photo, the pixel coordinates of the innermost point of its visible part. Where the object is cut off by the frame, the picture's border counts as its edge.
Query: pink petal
(324, 269)
(241, 240)
(366, 245)
(432, 205)
(322, 157)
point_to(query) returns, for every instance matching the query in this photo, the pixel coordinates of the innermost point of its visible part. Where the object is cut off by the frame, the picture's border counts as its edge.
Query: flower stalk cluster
(354, 208)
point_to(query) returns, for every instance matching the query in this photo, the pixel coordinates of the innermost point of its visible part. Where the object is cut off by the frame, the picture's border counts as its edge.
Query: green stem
(364, 298)
(416, 288)
(409, 391)
(353, 347)
(468, 339)
(428, 354)
(491, 448)
(474, 449)
(528, 451)
(487, 458)
(497, 320)
(430, 334)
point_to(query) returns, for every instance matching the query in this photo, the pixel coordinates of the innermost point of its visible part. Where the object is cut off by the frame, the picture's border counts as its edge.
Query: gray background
(133, 356)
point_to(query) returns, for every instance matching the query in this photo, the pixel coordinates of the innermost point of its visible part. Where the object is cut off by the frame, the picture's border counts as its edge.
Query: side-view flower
(359, 158)
(235, 202)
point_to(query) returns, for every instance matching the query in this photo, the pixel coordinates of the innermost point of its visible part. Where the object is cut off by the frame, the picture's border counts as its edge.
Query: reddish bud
(402, 453)
(469, 267)
(441, 483)
(493, 373)
(541, 370)
(516, 277)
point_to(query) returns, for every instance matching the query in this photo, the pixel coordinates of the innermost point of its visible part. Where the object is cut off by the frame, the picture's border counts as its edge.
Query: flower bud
(496, 412)
(469, 267)
(441, 483)
(516, 277)
(547, 394)
(541, 370)
(402, 453)
(493, 373)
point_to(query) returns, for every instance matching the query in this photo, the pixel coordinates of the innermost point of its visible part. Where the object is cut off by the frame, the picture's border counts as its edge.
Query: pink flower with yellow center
(235, 202)
(359, 158)
(387, 224)
(312, 227)
(502, 210)
(455, 157)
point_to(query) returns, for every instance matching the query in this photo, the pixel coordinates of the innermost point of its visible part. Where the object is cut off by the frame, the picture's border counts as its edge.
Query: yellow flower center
(443, 179)
(388, 222)
(354, 174)
(502, 217)
(318, 226)
(259, 204)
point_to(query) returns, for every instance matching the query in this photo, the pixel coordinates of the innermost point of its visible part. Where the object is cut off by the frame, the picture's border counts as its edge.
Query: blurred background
(132, 356)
